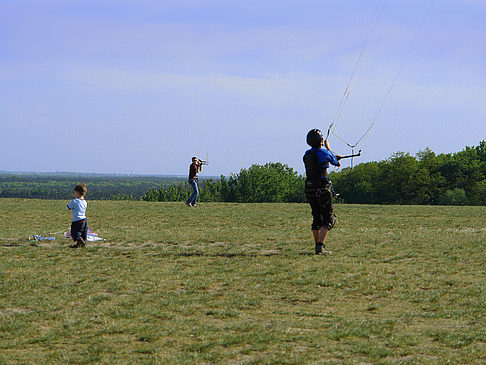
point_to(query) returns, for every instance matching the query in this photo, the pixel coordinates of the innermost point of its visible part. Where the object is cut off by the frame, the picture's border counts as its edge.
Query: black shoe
(321, 249)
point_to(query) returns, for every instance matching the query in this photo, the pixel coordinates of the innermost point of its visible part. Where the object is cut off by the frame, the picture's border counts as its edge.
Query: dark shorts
(319, 197)
(79, 229)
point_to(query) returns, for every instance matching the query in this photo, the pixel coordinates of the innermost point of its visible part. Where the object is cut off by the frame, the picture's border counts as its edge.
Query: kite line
(347, 91)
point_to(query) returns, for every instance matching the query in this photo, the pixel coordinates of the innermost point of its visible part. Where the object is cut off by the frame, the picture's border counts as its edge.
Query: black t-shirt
(193, 171)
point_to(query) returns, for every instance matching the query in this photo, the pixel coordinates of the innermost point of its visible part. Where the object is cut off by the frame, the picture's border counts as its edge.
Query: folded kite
(92, 236)
(37, 237)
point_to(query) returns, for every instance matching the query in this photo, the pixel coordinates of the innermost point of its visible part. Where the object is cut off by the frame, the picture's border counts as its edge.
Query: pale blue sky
(118, 86)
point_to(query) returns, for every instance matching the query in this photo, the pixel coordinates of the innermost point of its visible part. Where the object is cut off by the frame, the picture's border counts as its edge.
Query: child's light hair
(81, 189)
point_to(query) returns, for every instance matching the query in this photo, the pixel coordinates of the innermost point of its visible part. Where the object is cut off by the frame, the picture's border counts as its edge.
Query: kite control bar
(350, 156)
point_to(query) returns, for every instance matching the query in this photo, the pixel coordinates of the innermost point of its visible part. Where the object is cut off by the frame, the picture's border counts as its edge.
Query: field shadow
(159, 251)
(222, 254)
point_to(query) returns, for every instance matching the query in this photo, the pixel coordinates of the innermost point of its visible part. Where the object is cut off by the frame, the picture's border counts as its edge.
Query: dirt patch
(8, 311)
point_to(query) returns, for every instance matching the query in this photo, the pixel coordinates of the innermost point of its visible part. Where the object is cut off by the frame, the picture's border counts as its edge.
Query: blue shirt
(325, 157)
(78, 206)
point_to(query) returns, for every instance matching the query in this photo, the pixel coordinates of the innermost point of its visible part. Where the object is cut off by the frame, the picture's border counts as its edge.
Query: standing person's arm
(338, 157)
(326, 144)
(335, 159)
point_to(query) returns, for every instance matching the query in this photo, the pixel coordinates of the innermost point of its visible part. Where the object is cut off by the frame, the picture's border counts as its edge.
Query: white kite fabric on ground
(92, 236)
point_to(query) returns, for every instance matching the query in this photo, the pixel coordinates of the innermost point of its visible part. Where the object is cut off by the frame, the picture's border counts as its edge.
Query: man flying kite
(318, 187)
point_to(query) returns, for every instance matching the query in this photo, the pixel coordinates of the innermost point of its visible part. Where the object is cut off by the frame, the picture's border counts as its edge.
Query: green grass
(237, 283)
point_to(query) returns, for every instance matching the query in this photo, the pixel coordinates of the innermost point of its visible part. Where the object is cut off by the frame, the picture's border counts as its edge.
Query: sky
(118, 86)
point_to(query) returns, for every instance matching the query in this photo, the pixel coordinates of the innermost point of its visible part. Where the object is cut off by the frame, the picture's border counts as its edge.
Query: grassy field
(238, 284)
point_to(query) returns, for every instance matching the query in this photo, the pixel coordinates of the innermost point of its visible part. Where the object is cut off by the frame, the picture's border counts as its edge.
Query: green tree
(152, 195)
(394, 187)
(228, 188)
(210, 191)
(272, 182)
(454, 197)
(357, 185)
(477, 195)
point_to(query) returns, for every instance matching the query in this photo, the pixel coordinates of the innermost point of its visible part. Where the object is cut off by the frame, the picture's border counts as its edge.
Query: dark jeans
(79, 229)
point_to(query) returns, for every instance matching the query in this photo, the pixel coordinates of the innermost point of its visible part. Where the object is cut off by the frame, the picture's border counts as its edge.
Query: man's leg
(320, 237)
(194, 195)
(189, 201)
(327, 220)
(316, 221)
(323, 234)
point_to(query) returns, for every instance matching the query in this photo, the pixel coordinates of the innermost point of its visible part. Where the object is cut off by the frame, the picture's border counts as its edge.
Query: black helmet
(314, 137)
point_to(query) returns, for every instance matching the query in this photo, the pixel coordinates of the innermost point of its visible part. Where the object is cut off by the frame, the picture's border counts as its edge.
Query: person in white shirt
(79, 225)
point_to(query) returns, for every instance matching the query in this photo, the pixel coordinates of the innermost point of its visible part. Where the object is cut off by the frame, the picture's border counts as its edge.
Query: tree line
(100, 187)
(424, 179)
